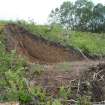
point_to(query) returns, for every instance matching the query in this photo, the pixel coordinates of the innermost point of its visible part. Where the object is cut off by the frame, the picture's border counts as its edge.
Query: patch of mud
(37, 49)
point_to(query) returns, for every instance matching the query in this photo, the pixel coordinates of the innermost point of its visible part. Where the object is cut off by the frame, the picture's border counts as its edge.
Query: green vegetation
(89, 43)
(84, 100)
(82, 15)
(56, 102)
(64, 93)
(14, 86)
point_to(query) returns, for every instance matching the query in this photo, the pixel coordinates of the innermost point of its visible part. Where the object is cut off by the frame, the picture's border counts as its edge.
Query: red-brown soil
(37, 49)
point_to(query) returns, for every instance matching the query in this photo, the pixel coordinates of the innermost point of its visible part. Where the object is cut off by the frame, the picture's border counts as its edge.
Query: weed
(90, 43)
(64, 93)
(56, 102)
(83, 100)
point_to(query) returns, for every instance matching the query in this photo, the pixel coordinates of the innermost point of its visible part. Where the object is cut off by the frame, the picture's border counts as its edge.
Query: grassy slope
(91, 43)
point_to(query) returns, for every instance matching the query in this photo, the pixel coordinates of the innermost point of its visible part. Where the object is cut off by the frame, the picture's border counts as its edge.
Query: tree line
(83, 15)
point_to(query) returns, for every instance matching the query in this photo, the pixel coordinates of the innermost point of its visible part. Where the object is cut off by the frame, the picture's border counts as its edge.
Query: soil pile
(37, 49)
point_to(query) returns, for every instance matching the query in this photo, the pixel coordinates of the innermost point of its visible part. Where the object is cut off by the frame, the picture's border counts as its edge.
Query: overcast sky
(30, 9)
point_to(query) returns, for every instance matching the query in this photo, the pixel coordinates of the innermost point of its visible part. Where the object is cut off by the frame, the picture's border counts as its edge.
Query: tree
(82, 15)
(66, 14)
(63, 15)
(54, 16)
(99, 17)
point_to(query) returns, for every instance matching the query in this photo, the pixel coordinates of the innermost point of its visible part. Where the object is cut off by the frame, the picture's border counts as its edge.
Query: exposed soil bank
(37, 49)
(83, 78)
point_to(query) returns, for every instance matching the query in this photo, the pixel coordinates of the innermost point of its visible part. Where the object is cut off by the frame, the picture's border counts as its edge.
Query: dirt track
(55, 76)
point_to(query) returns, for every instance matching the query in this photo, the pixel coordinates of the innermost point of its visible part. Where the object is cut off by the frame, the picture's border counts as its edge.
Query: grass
(94, 44)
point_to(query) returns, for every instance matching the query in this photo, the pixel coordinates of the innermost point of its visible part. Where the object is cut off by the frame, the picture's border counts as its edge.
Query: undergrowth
(14, 86)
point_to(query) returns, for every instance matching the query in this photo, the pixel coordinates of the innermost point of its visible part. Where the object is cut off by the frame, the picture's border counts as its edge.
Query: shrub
(56, 102)
(13, 81)
(83, 100)
(64, 93)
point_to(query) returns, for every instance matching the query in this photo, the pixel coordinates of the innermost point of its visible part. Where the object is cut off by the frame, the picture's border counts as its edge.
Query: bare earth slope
(38, 49)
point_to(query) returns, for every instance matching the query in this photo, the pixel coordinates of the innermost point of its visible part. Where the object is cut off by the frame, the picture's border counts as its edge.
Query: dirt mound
(37, 49)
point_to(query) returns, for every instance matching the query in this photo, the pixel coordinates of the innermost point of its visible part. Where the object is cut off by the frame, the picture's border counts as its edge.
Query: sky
(37, 10)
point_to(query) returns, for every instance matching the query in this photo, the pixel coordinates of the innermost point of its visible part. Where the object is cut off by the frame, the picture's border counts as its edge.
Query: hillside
(91, 44)
(39, 66)
(37, 48)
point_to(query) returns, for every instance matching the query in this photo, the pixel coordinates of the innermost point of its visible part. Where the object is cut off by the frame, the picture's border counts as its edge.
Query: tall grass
(94, 44)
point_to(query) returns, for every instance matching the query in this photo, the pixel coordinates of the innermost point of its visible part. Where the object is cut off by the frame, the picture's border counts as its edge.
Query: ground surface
(61, 74)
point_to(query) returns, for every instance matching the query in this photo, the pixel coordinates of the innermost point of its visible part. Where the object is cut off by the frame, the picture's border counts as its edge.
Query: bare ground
(56, 75)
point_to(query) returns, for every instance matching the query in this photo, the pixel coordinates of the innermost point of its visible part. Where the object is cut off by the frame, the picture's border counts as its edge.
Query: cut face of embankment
(37, 49)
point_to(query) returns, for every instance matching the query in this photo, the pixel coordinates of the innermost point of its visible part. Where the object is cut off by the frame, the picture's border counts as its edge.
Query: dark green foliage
(83, 15)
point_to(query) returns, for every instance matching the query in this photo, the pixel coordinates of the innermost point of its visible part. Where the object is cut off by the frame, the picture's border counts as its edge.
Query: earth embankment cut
(38, 49)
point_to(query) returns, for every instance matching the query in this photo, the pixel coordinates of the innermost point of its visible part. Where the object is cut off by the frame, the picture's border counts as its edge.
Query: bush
(64, 93)
(13, 82)
(89, 43)
(56, 102)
